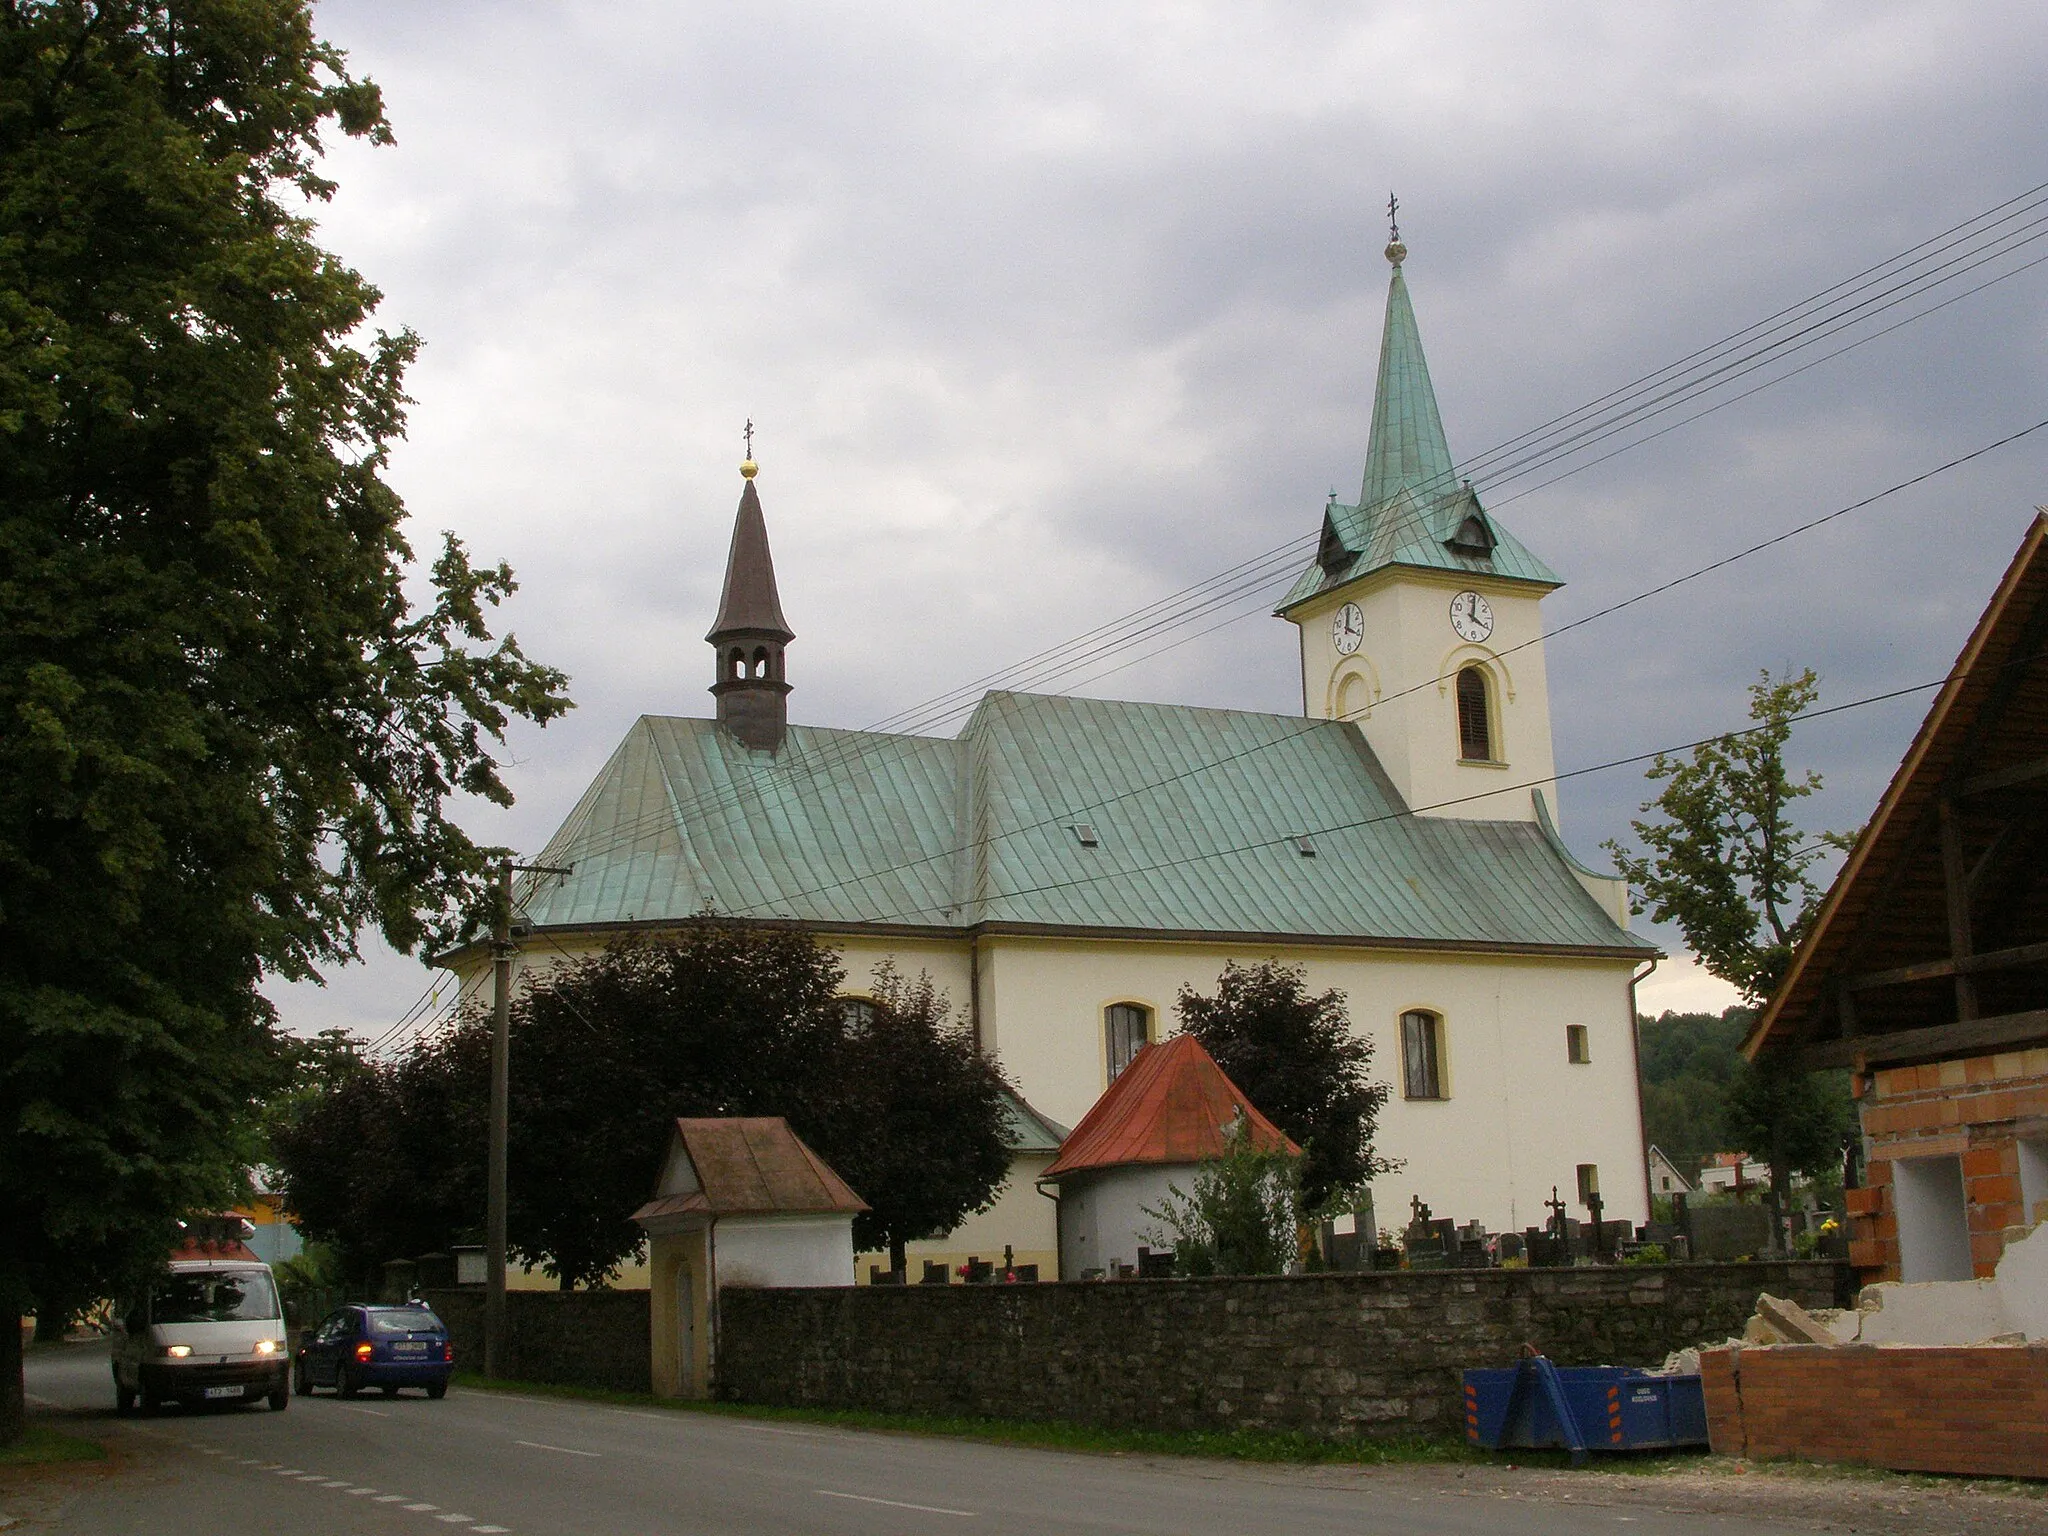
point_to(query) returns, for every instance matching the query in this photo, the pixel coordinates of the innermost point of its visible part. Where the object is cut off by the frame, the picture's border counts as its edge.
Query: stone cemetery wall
(567, 1338)
(1333, 1355)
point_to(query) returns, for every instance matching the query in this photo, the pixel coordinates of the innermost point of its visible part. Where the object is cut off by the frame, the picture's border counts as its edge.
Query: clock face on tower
(1347, 629)
(1471, 617)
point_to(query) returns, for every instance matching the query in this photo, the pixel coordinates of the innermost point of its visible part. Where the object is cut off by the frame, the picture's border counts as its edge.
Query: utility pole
(496, 1358)
(501, 1111)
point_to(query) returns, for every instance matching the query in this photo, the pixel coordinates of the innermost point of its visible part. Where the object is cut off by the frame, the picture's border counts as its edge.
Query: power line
(1810, 524)
(1182, 609)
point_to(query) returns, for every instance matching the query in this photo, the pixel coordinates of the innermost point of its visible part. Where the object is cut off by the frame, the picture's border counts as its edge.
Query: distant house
(1665, 1179)
(1163, 1117)
(1733, 1173)
(1925, 974)
(741, 1201)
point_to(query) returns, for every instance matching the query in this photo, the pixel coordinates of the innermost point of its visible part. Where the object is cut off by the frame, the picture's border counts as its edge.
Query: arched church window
(1475, 727)
(760, 666)
(1422, 1055)
(1128, 1028)
(735, 665)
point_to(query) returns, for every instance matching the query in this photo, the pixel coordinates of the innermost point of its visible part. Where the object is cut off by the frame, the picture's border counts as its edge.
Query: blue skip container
(1582, 1408)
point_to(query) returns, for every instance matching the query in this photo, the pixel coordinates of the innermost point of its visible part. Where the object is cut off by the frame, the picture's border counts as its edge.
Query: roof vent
(1305, 846)
(1084, 833)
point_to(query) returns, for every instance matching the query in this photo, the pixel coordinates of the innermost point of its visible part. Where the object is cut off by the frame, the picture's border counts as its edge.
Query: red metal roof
(1170, 1105)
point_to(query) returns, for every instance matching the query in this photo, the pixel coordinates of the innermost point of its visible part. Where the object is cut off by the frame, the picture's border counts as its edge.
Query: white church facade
(1064, 866)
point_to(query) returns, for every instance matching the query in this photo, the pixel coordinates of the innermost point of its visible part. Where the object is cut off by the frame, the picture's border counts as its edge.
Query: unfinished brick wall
(1976, 1108)
(1981, 1411)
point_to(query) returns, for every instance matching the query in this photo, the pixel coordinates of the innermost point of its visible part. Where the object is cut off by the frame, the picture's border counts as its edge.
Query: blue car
(382, 1347)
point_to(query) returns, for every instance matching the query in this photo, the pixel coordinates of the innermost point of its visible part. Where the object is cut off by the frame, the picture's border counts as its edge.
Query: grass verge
(1232, 1445)
(42, 1444)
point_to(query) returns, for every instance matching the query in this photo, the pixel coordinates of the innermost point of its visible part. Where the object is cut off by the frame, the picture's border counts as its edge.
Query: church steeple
(750, 632)
(1407, 449)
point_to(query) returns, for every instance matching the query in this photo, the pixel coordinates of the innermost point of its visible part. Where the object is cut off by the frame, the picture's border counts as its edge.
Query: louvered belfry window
(1129, 1027)
(1475, 731)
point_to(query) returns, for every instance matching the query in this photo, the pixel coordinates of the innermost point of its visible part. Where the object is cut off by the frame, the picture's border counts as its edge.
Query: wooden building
(1926, 972)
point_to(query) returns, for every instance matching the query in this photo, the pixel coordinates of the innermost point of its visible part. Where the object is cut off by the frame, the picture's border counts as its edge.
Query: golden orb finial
(749, 469)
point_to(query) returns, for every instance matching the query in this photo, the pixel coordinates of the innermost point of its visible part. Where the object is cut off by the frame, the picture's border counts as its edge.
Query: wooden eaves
(1933, 941)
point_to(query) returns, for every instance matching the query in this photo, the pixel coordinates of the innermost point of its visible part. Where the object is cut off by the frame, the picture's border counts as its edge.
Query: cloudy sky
(1045, 312)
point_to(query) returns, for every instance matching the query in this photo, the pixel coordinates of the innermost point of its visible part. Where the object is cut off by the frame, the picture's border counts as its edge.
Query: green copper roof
(1411, 504)
(1194, 815)
(1406, 450)
(1026, 1130)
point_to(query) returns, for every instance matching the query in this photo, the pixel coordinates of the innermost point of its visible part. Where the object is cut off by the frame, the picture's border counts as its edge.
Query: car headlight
(266, 1346)
(177, 1351)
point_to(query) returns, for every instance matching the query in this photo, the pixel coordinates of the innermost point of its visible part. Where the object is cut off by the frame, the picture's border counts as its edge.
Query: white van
(209, 1330)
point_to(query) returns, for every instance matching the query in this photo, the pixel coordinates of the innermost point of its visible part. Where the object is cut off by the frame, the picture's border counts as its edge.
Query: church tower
(750, 633)
(1419, 619)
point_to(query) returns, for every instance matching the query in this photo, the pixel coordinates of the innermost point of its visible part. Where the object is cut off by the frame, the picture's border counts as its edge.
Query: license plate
(225, 1391)
(408, 1349)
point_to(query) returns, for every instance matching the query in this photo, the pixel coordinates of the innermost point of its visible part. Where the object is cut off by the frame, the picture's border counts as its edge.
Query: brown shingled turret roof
(750, 605)
(1172, 1104)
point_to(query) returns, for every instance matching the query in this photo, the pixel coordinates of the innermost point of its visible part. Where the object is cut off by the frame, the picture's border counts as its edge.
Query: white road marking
(356, 1493)
(456, 1519)
(375, 1413)
(491, 1530)
(771, 1429)
(923, 1509)
(391, 1498)
(421, 1508)
(311, 1477)
(335, 1482)
(563, 1449)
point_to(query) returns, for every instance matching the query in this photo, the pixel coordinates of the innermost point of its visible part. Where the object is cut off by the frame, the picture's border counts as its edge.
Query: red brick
(1862, 1202)
(1986, 1248)
(1983, 1162)
(1879, 1173)
(1995, 1217)
(1978, 1069)
(2001, 1189)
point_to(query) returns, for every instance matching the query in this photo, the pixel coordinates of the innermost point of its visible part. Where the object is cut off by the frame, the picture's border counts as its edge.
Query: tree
(919, 1079)
(1298, 1061)
(1726, 861)
(228, 740)
(1242, 1218)
(1687, 1062)
(722, 1018)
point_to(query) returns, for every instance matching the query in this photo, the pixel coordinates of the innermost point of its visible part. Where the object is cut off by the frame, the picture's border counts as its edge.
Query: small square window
(1576, 1048)
(1084, 833)
(1305, 846)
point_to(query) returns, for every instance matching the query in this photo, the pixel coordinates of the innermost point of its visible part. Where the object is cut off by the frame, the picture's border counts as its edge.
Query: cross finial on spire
(1396, 251)
(750, 437)
(749, 468)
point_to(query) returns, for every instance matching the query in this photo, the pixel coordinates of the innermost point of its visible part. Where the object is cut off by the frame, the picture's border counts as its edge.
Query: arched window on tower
(1475, 725)
(735, 665)
(760, 667)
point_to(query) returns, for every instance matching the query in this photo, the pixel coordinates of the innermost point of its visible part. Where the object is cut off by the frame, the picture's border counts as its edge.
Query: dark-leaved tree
(1299, 1062)
(720, 1018)
(228, 737)
(918, 1131)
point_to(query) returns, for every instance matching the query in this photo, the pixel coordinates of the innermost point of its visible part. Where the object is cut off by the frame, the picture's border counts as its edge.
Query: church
(1064, 866)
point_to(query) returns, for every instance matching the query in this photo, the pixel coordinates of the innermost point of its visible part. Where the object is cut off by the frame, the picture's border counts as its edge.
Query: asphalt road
(498, 1464)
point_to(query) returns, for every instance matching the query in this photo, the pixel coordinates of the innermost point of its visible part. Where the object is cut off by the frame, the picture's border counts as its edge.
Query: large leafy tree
(1298, 1060)
(229, 738)
(721, 1018)
(1727, 861)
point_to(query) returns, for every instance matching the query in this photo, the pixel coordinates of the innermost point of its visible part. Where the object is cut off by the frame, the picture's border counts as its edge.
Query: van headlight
(177, 1351)
(266, 1346)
